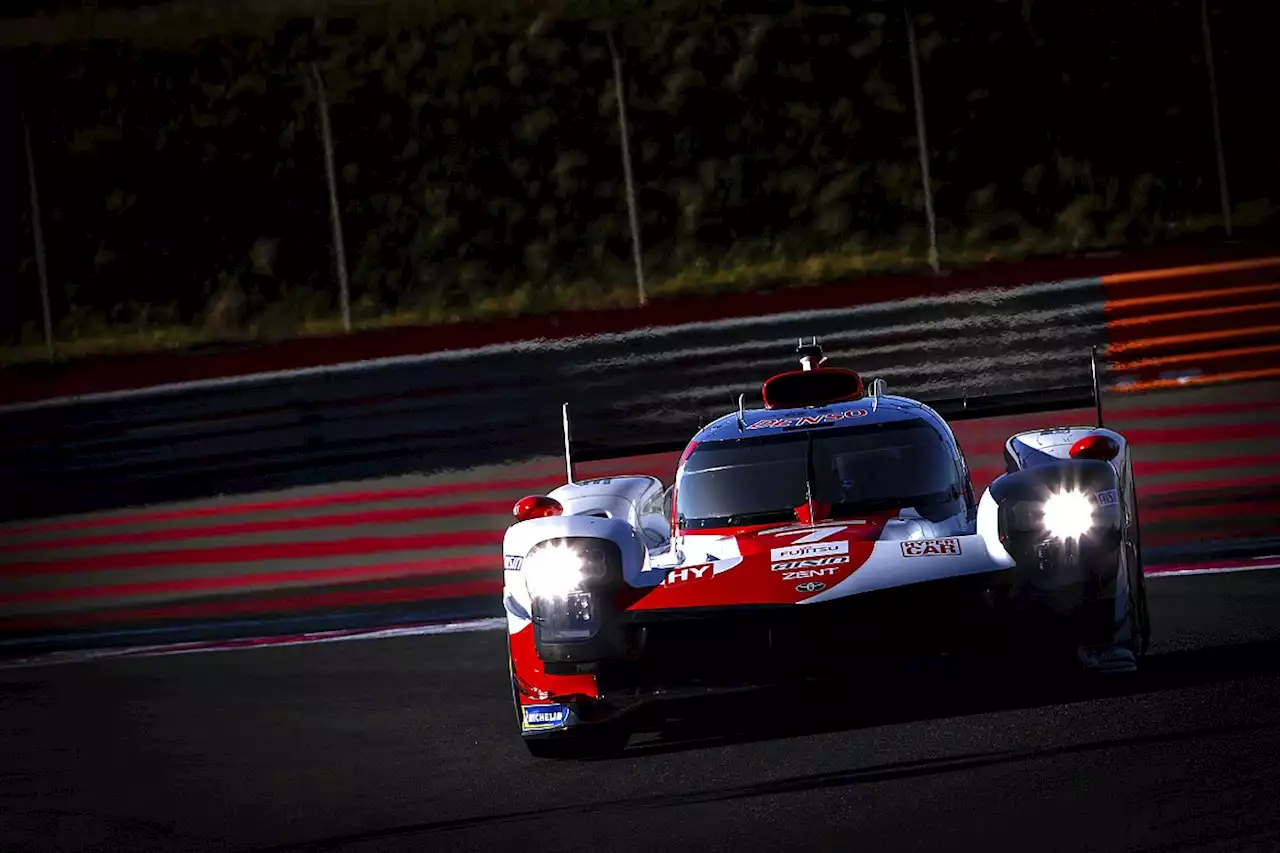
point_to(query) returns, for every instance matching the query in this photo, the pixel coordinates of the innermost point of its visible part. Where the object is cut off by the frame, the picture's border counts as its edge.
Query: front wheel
(596, 741)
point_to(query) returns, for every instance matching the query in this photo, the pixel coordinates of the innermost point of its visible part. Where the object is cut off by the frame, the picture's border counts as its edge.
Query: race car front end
(831, 540)
(593, 650)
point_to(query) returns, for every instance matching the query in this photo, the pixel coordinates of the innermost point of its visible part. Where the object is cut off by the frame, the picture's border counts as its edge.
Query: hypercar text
(931, 548)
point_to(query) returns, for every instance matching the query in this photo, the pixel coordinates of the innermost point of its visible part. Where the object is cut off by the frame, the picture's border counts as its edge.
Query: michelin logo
(814, 549)
(540, 717)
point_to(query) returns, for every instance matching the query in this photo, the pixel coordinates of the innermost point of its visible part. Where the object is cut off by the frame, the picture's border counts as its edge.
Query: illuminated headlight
(1068, 515)
(554, 571)
(571, 587)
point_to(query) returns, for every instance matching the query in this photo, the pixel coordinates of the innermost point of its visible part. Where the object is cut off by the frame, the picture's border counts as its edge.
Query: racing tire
(1142, 612)
(597, 741)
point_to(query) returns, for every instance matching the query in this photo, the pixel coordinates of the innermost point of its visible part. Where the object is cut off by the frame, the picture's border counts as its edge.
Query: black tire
(1139, 585)
(1144, 614)
(598, 740)
(515, 691)
(594, 742)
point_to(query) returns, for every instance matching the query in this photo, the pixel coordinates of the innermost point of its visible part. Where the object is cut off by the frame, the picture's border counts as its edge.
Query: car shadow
(762, 718)
(821, 709)
(772, 715)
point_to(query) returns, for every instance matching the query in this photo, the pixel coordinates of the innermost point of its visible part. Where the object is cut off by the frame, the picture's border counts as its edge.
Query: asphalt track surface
(409, 744)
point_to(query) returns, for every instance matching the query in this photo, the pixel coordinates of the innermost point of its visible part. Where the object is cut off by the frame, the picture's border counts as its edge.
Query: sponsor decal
(931, 548)
(723, 565)
(812, 549)
(540, 717)
(512, 563)
(598, 481)
(808, 573)
(1108, 497)
(687, 574)
(814, 534)
(809, 420)
(811, 586)
(811, 563)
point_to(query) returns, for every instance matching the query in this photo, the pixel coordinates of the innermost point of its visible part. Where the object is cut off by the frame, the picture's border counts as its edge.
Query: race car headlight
(1068, 515)
(553, 571)
(556, 569)
(571, 585)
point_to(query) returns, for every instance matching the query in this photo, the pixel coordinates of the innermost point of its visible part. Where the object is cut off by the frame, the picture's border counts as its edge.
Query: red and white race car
(798, 536)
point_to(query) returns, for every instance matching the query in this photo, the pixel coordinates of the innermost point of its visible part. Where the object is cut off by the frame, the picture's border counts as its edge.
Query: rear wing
(1027, 402)
(1021, 403)
(952, 409)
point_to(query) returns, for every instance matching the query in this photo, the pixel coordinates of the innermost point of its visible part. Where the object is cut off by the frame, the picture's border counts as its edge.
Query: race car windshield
(856, 470)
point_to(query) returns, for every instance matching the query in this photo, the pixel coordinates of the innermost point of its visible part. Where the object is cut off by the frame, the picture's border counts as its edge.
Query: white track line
(493, 624)
(197, 647)
(1216, 570)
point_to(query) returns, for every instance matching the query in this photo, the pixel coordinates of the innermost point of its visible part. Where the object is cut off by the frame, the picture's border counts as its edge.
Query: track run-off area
(409, 743)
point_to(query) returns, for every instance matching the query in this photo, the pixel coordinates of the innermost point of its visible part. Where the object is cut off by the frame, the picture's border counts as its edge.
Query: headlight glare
(1068, 515)
(554, 571)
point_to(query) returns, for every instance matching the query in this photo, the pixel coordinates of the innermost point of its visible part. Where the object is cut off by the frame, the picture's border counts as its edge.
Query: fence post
(335, 213)
(1217, 122)
(626, 164)
(921, 138)
(37, 235)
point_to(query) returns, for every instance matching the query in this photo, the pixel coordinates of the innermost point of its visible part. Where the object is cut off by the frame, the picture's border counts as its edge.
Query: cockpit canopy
(854, 470)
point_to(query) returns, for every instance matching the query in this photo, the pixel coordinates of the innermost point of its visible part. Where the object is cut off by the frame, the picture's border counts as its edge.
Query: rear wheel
(1142, 613)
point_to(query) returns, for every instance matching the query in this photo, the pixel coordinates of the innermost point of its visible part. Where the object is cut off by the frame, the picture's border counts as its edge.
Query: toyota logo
(811, 586)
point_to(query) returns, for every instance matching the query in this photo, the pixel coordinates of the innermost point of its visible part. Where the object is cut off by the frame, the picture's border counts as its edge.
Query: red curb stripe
(255, 553)
(1212, 566)
(1238, 509)
(480, 509)
(1196, 314)
(983, 477)
(358, 497)
(1196, 486)
(1183, 535)
(1203, 434)
(537, 484)
(1146, 386)
(1214, 293)
(263, 605)
(317, 577)
(1182, 272)
(1137, 343)
(1241, 353)
(1181, 466)
(411, 630)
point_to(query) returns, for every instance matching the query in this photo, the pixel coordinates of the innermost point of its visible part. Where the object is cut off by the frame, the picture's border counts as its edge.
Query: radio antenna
(1097, 390)
(568, 449)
